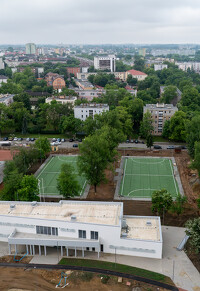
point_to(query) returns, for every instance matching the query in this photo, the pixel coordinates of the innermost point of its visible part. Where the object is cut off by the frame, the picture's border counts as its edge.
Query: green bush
(105, 279)
(87, 276)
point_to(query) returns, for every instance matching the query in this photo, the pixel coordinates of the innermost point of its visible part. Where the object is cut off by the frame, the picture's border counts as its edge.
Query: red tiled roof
(135, 73)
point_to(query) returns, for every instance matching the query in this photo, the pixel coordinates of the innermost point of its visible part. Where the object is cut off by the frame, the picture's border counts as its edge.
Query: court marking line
(65, 160)
(173, 178)
(148, 175)
(141, 190)
(45, 167)
(142, 163)
(124, 174)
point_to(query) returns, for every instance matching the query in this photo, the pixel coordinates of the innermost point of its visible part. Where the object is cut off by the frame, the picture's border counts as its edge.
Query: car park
(171, 147)
(75, 145)
(157, 147)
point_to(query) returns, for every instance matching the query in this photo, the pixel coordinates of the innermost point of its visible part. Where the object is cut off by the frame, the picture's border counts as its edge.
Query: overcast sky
(99, 21)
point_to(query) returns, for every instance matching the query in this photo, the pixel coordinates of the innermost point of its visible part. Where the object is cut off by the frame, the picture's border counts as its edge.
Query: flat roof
(85, 212)
(160, 106)
(143, 228)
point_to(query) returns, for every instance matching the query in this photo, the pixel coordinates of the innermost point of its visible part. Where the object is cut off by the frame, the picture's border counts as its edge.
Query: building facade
(30, 49)
(55, 80)
(61, 99)
(159, 114)
(2, 65)
(105, 63)
(85, 110)
(35, 227)
(3, 79)
(73, 70)
(140, 76)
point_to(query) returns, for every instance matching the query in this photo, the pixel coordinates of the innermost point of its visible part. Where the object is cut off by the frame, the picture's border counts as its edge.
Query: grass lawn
(116, 267)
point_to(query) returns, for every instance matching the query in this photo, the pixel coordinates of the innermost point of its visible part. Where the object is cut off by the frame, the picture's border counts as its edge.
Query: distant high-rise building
(142, 52)
(2, 66)
(30, 49)
(105, 63)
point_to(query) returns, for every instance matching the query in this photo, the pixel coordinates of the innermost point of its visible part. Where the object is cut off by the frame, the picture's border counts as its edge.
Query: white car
(15, 139)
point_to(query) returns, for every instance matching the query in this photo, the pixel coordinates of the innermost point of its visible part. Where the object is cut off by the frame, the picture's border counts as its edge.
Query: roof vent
(73, 218)
(148, 223)
(12, 206)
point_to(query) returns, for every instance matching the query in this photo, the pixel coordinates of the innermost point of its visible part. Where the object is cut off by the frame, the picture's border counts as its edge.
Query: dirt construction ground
(17, 279)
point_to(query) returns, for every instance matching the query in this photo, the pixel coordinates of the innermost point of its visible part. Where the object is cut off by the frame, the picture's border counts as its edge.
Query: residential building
(159, 114)
(3, 79)
(6, 99)
(2, 66)
(142, 52)
(140, 76)
(84, 84)
(73, 70)
(62, 99)
(78, 226)
(30, 49)
(55, 80)
(184, 66)
(85, 110)
(105, 63)
(160, 67)
(89, 94)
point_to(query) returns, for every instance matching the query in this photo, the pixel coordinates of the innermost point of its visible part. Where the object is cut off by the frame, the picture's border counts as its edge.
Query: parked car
(183, 147)
(171, 147)
(59, 139)
(75, 145)
(20, 139)
(157, 147)
(57, 143)
(32, 138)
(10, 138)
(5, 138)
(132, 141)
(53, 139)
(136, 141)
(71, 139)
(80, 139)
(28, 139)
(127, 141)
(15, 139)
(63, 140)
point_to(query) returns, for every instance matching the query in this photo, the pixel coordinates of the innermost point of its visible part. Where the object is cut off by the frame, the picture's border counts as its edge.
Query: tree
(96, 152)
(67, 183)
(193, 231)
(161, 201)
(149, 141)
(193, 133)
(177, 206)
(177, 126)
(70, 125)
(42, 144)
(139, 63)
(190, 98)
(146, 126)
(166, 129)
(131, 81)
(196, 163)
(28, 190)
(170, 92)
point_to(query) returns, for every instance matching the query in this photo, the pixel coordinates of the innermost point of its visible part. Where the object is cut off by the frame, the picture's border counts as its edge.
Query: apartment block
(85, 110)
(105, 63)
(159, 114)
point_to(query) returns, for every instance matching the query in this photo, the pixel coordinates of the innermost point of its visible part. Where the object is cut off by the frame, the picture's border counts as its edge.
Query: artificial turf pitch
(142, 176)
(47, 177)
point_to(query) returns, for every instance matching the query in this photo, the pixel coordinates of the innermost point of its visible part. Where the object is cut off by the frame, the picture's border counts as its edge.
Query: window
(82, 233)
(93, 249)
(46, 230)
(94, 235)
(87, 249)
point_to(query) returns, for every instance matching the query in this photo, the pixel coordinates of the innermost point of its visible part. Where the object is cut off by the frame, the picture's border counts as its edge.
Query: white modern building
(77, 226)
(85, 110)
(160, 67)
(105, 63)
(2, 65)
(61, 99)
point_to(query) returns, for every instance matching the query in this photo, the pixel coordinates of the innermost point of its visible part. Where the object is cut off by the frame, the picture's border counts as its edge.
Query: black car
(32, 138)
(75, 145)
(136, 141)
(80, 139)
(170, 147)
(5, 138)
(59, 139)
(157, 147)
(71, 139)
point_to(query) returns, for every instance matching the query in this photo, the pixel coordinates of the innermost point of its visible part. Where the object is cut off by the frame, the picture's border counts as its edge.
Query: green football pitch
(47, 177)
(142, 176)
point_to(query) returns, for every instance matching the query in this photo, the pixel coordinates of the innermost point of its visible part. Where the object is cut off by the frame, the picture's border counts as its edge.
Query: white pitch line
(140, 190)
(148, 175)
(83, 188)
(146, 163)
(44, 168)
(124, 177)
(173, 177)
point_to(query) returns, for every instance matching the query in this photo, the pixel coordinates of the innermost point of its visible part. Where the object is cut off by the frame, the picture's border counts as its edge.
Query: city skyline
(99, 22)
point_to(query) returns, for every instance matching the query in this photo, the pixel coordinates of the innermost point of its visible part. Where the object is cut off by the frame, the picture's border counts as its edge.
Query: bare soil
(46, 280)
